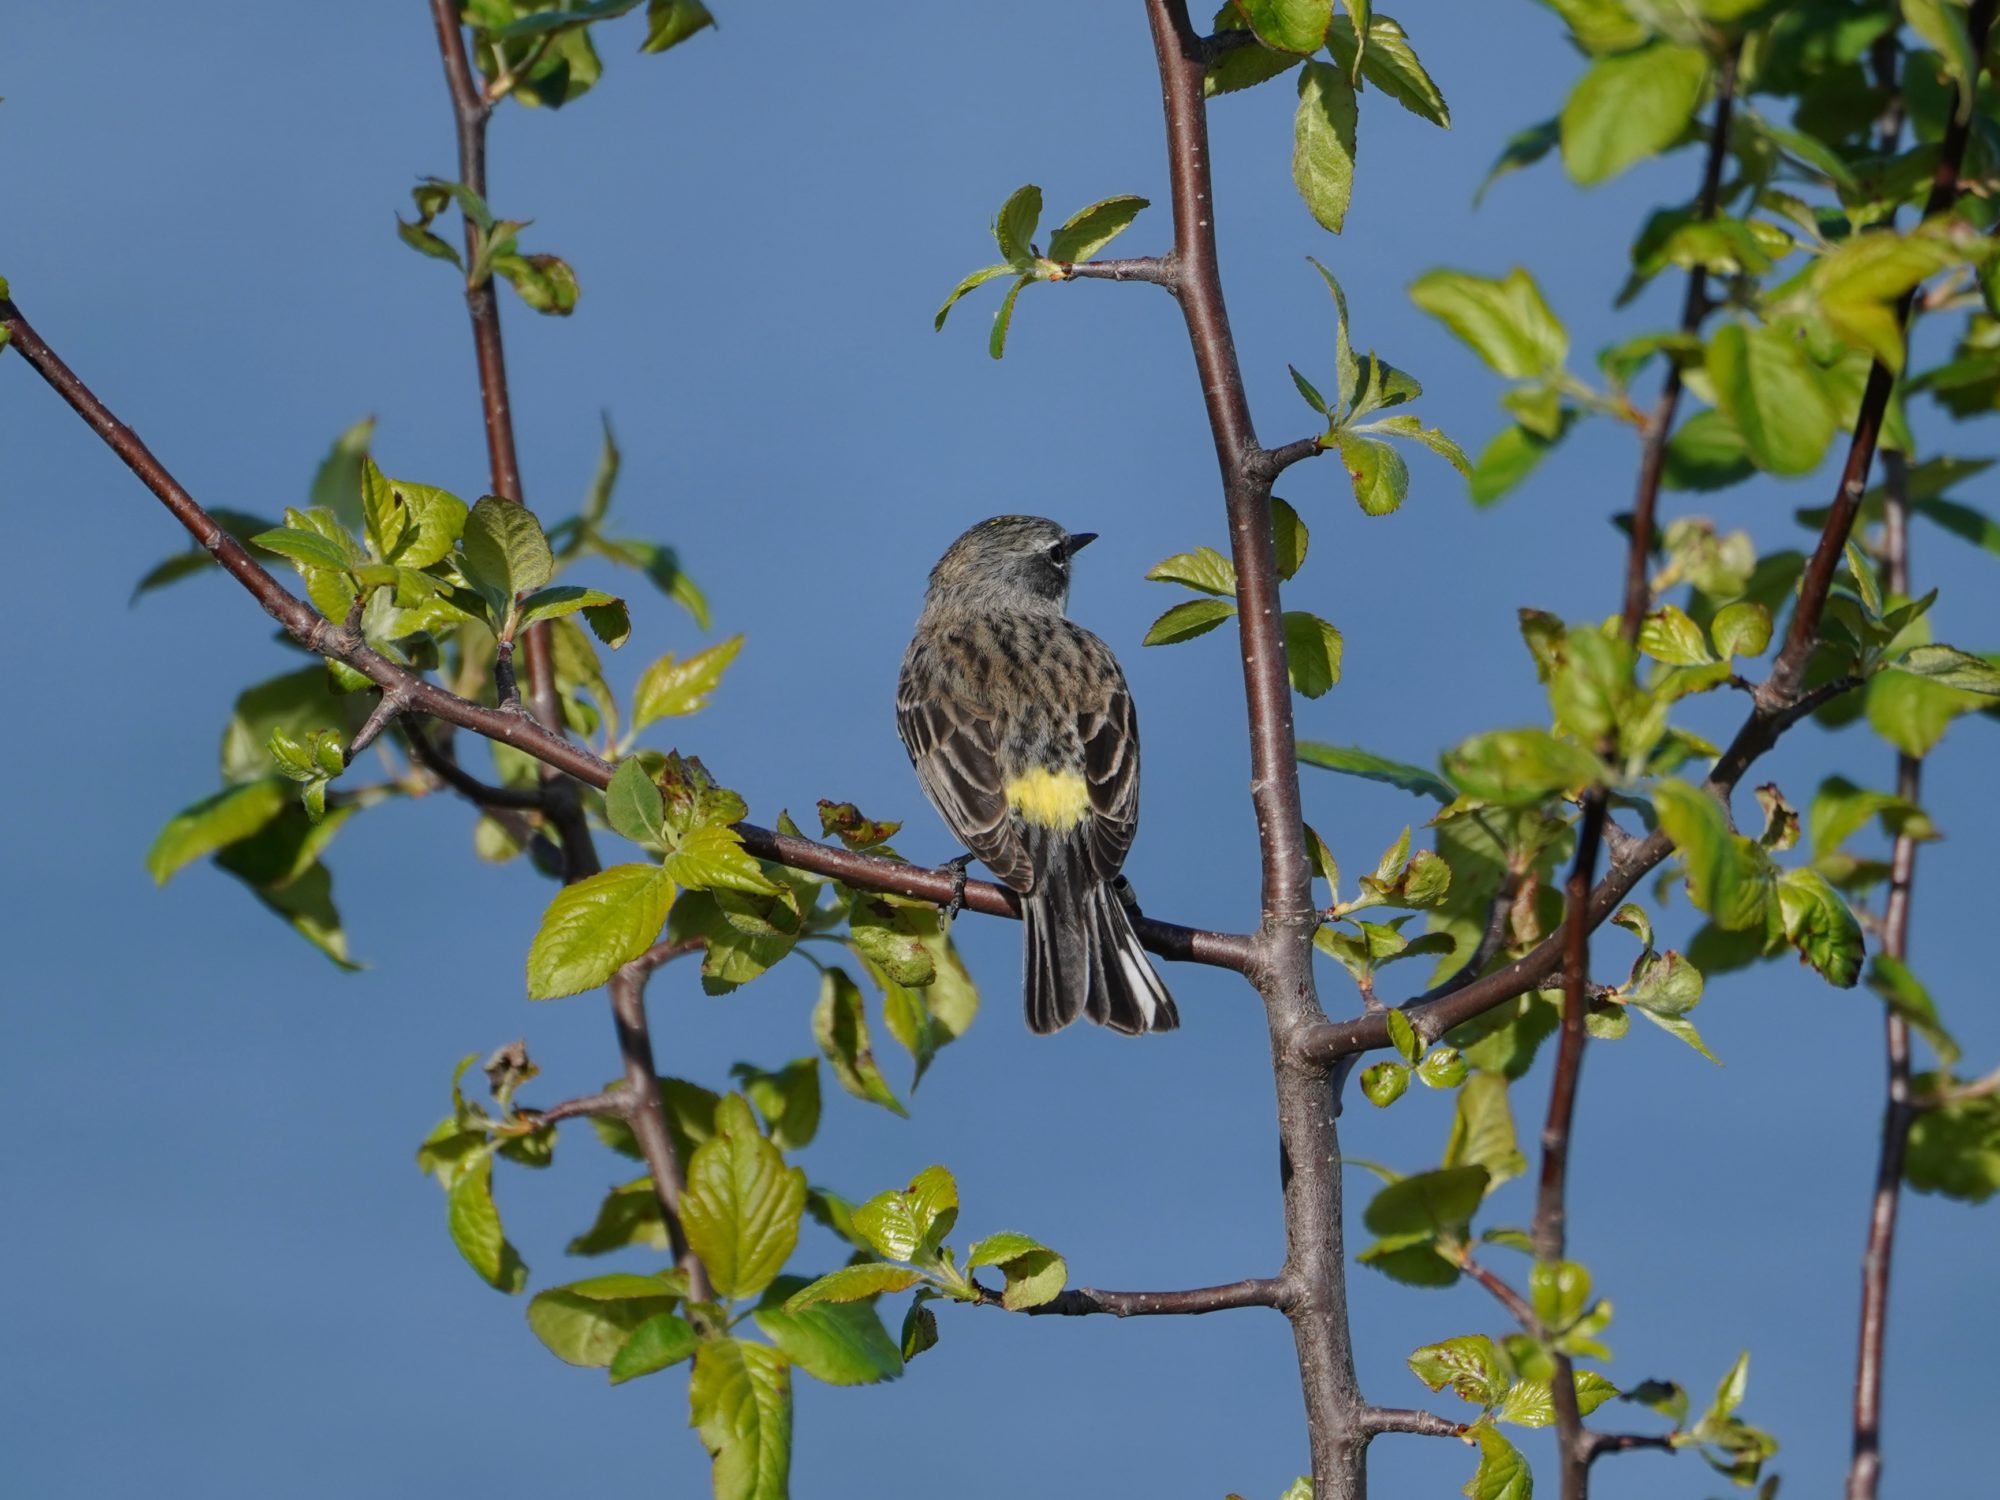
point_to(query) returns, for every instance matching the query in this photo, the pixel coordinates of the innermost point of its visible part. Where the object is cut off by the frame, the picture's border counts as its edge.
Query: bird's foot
(957, 868)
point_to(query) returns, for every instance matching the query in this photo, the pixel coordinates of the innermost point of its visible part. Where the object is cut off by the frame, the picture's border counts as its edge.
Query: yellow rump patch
(1050, 799)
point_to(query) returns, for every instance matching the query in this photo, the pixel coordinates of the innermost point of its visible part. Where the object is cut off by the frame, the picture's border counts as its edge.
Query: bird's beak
(1079, 540)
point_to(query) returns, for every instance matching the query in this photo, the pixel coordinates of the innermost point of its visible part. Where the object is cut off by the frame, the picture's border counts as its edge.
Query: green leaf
(1706, 453)
(1741, 629)
(1288, 25)
(605, 613)
(633, 805)
(1403, 425)
(1312, 652)
(545, 282)
(1429, 1204)
(742, 1206)
(1402, 1035)
(1442, 1068)
(788, 1100)
(671, 22)
(1383, 1083)
(1035, 1274)
(1502, 1474)
(669, 688)
(424, 242)
(1351, 760)
(1770, 391)
(1390, 63)
(1507, 323)
(1955, 1149)
(336, 485)
(1503, 463)
(587, 1322)
(1559, 1291)
(474, 1222)
(740, 1399)
(853, 1284)
(1204, 570)
(1380, 477)
(919, 1328)
(1944, 28)
(1289, 537)
(505, 553)
(977, 279)
(1952, 668)
(1014, 227)
(1630, 106)
(1518, 767)
(1472, 1365)
(1668, 635)
(1911, 712)
(657, 1344)
(1323, 143)
(1962, 521)
(714, 859)
(1820, 925)
(1482, 1126)
(306, 548)
(212, 823)
(1089, 230)
(1906, 996)
(1186, 621)
(840, 1026)
(1729, 877)
(628, 1215)
(595, 926)
(996, 342)
(841, 1343)
(1523, 149)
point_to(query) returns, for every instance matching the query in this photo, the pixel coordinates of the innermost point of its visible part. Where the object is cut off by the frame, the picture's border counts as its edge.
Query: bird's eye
(1059, 555)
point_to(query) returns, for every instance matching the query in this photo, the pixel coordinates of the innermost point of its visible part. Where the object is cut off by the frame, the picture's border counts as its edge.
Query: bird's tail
(1083, 958)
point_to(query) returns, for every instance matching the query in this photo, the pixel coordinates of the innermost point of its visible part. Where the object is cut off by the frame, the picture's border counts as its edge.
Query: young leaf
(1035, 1274)
(505, 553)
(605, 613)
(587, 1322)
(841, 1343)
(853, 1284)
(1351, 760)
(1772, 394)
(840, 1025)
(1380, 477)
(474, 1222)
(1741, 629)
(633, 806)
(1186, 621)
(1203, 569)
(1630, 106)
(1517, 767)
(1323, 143)
(740, 1401)
(742, 1206)
(1014, 227)
(1312, 652)
(213, 823)
(1289, 25)
(1289, 538)
(1089, 230)
(1820, 925)
(977, 279)
(660, 1342)
(1471, 1365)
(1383, 1083)
(595, 926)
(1507, 323)
(1906, 996)
(670, 688)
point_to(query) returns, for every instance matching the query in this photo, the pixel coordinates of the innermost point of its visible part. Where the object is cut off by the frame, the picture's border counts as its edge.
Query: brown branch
(306, 626)
(1280, 958)
(1159, 270)
(442, 764)
(617, 1101)
(1598, 1443)
(1694, 307)
(1084, 1301)
(648, 1119)
(1491, 940)
(1503, 1293)
(1379, 1419)
(471, 110)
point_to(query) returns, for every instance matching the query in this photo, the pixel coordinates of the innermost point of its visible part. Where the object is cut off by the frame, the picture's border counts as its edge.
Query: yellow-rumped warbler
(1022, 732)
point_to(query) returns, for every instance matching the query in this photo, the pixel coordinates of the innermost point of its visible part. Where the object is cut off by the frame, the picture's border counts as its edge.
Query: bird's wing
(1110, 736)
(955, 753)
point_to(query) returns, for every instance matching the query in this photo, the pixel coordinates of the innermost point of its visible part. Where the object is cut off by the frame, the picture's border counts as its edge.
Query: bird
(1022, 732)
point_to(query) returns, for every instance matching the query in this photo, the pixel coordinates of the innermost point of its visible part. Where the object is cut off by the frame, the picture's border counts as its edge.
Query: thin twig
(443, 765)
(1159, 270)
(616, 1102)
(648, 1119)
(1503, 1293)
(1084, 1301)
(1379, 1419)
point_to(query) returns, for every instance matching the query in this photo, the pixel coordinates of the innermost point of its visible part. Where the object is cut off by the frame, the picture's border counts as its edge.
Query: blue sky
(229, 1279)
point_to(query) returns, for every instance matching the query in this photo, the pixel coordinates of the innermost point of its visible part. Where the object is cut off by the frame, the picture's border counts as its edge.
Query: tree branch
(1379, 1419)
(1083, 1301)
(1280, 958)
(649, 1121)
(617, 1101)
(442, 764)
(1159, 270)
(306, 626)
